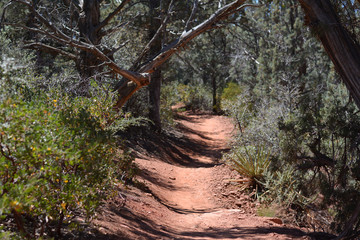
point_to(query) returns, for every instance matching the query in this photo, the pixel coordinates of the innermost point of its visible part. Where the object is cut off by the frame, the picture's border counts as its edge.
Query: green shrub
(251, 162)
(58, 159)
(195, 97)
(231, 92)
(282, 187)
(237, 104)
(169, 97)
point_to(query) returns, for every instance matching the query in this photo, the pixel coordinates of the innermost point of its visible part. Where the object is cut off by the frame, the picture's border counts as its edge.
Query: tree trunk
(338, 44)
(87, 64)
(155, 84)
(214, 97)
(154, 99)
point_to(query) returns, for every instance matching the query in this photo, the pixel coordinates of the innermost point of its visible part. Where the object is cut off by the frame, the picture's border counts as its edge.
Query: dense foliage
(59, 157)
(292, 103)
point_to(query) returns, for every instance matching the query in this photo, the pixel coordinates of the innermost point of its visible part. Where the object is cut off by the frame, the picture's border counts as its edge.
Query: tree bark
(155, 84)
(87, 64)
(341, 48)
(154, 99)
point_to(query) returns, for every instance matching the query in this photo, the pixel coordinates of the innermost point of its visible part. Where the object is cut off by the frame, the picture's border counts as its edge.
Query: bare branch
(114, 29)
(118, 48)
(42, 19)
(156, 35)
(134, 80)
(193, 11)
(111, 15)
(187, 36)
(3, 15)
(47, 48)
(125, 91)
(57, 35)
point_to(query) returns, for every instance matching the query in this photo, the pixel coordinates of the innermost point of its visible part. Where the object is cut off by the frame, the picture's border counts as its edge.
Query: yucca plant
(251, 163)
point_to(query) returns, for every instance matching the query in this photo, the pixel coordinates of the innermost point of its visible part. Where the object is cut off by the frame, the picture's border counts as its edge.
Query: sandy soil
(186, 191)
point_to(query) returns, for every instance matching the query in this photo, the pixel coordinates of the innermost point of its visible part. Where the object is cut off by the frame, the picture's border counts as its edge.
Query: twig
(156, 35)
(193, 11)
(111, 15)
(3, 14)
(51, 49)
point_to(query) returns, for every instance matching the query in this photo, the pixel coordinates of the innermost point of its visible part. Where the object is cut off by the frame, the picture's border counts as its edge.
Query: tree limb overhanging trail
(126, 89)
(133, 79)
(338, 43)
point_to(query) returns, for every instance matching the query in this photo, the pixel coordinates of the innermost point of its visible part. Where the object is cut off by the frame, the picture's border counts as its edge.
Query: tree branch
(50, 49)
(57, 35)
(113, 51)
(174, 47)
(111, 15)
(187, 36)
(156, 35)
(134, 80)
(193, 11)
(3, 14)
(113, 29)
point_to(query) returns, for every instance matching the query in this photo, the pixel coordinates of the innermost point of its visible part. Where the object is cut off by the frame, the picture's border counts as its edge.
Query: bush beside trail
(59, 158)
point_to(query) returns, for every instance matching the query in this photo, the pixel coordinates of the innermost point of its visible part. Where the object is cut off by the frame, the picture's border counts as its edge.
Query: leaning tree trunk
(341, 48)
(87, 64)
(155, 84)
(344, 53)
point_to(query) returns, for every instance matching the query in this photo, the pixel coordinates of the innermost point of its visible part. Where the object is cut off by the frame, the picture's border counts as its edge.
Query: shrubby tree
(289, 100)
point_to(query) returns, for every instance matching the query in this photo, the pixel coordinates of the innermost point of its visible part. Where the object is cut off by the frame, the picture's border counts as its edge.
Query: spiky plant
(251, 163)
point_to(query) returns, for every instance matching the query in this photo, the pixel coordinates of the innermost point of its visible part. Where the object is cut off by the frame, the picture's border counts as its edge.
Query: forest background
(75, 74)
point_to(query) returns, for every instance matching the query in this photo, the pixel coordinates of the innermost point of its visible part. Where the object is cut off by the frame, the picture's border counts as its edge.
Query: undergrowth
(59, 159)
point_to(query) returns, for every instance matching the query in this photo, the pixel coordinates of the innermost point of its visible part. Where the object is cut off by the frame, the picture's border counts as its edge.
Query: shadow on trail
(245, 232)
(179, 149)
(144, 228)
(153, 178)
(176, 148)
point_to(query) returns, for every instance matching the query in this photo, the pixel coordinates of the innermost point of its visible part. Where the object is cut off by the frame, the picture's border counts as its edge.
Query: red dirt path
(188, 196)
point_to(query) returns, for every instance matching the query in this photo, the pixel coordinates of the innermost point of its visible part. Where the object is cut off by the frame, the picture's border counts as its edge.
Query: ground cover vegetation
(66, 64)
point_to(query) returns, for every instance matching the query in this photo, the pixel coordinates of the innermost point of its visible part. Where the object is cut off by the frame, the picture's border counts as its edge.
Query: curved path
(179, 173)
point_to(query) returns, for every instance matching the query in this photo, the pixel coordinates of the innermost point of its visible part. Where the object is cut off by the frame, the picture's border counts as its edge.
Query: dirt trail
(184, 180)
